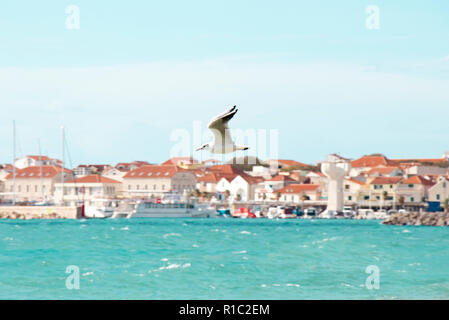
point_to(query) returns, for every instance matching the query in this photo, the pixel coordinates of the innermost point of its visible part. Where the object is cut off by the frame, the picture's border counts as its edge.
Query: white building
(440, 191)
(414, 189)
(241, 188)
(31, 161)
(352, 190)
(299, 193)
(88, 188)
(266, 190)
(35, 183)
(115, 174)
(158, 181)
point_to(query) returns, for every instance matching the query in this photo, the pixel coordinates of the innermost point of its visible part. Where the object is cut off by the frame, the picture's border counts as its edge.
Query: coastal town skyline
(71, 161)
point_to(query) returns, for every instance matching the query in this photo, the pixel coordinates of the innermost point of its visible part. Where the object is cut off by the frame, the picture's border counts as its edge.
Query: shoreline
(39, 212)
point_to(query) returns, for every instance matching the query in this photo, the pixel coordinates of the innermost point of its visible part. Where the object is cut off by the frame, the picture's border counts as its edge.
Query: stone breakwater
(24, 216)
(36, 212)
(418, 219)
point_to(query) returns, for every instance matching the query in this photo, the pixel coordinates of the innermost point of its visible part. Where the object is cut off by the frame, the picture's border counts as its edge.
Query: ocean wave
(281, 285)
(171, 266)
(245, 232)
(171, 235)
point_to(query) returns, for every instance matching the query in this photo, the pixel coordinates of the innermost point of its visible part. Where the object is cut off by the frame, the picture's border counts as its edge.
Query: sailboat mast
(13, 162)
(40, 175)
(62, 174)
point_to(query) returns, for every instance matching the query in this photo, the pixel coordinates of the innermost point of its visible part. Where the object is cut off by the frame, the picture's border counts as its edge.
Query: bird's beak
(198, 149)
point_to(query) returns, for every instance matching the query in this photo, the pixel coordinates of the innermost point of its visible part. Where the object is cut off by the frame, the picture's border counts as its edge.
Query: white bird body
(222, 142)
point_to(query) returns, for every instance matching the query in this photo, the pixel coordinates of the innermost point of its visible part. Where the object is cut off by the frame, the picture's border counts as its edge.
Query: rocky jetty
(25, 216)
(418, 219)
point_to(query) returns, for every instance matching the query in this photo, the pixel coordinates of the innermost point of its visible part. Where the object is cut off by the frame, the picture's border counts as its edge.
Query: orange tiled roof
(44, 158)
(418, 180)
(34, 172)
(176, 160)
(410, 161)
(298, 188)
(154, 171)
(126, 166)
(289, 163)
(210, 177)
(251, 179)
(382, 170)
(355, 181)
(386, 180)
(225, 168)
(93, 178)
(370, 161)
(7, 167)
(281, 178)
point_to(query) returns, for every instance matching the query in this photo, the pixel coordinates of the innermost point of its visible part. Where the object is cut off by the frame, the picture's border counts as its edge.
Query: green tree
(278, 196)
(446, 205)
(196, 193)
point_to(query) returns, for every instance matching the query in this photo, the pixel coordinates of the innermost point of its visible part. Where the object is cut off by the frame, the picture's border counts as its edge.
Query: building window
(129, 187)
(137, 187)
(163, 187)
(154, 187)
(35, 188)
(412, 199)
(438, 197)
(410, 185)
(349, 198)
(28, 188)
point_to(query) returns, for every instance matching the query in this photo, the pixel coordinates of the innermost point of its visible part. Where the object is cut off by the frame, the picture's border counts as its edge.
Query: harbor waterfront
(196, 258)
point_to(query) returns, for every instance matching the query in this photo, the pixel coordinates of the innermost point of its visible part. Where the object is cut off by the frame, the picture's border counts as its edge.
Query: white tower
(335, 169)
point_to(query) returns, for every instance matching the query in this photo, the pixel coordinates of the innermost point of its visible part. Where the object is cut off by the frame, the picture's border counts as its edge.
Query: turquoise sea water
(221, 259)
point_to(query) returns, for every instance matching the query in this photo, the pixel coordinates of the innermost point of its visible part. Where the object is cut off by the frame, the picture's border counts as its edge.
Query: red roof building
(298, 193)
(370, 162)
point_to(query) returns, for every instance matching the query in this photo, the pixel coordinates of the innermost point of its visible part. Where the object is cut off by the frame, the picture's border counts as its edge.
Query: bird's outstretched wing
(220, 129)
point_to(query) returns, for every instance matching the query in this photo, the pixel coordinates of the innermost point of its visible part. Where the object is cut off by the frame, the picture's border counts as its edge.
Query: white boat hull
(170, 213)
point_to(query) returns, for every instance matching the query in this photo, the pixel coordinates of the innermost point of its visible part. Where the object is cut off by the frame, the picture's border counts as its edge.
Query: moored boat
(149, 209)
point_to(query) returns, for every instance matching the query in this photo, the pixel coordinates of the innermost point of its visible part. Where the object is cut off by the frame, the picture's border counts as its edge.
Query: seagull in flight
(222, 142)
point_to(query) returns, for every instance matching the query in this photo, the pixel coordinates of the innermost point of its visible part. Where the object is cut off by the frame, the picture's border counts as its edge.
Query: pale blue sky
(137, 70)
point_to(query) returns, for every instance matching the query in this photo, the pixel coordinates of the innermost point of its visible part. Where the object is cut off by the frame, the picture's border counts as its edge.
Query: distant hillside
(247, 163)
